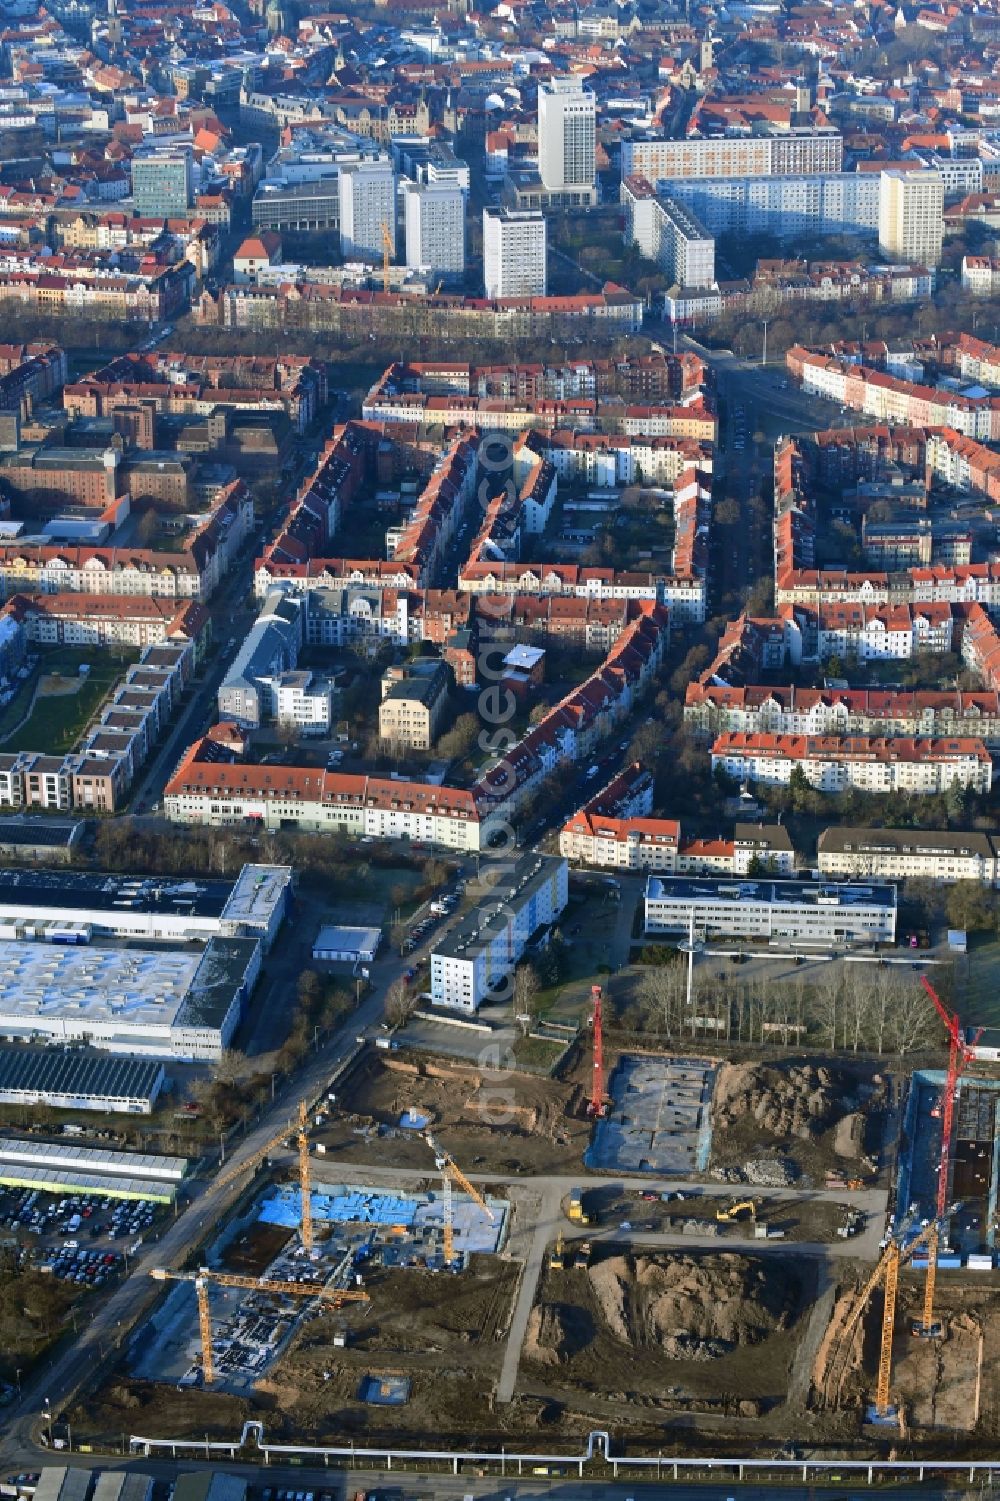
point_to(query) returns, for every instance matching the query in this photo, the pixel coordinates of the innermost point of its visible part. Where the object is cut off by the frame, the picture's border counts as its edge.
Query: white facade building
(514, 260)
(434, 222)
(485, 947)
(911, 216)
(367, 193)
(800, 912)
(784, 206)
(567, 117)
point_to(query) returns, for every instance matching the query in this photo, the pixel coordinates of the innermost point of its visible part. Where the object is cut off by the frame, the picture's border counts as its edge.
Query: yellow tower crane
(305, 1187)
(886, 1272)
(387, 251)
(452, 1173)
(335, 1296)
(301, 1134)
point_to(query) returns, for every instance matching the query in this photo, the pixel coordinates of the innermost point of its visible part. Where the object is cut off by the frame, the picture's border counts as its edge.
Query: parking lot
(81, 1238)
(430, 916)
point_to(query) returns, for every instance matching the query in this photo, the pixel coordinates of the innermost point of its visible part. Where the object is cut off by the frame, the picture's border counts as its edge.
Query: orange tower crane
(387, 249)
(598, 1104)
(886, 1272)
(450, 1171)
(959, 1055)
(305, 1189)
(336, 1296)
(281, 1138)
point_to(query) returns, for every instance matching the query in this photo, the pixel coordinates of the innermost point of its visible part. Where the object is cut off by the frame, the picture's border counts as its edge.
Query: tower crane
(896, 1253)
(387, 252)
(959, 1055)
(336, 1296)
(301, 1133)
(597, 1105)
(451, 1172)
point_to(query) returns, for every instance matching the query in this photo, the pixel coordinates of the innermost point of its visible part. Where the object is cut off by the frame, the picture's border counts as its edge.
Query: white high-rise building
(513, 253)
(367, 202)
(566, 136)
(434, 221)
(911, 216)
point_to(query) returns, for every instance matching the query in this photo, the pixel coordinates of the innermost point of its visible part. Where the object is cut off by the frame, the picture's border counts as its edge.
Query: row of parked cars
(438, 909)
(85, 1268)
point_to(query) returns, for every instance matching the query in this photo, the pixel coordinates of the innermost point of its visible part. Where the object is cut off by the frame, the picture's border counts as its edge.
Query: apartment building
(908, 854)
(855, 762)
(211, 789)
(784, 206)
(614, 830)
(911, 216)
(434, 226)
(804, 913)
(514, 253)
(791, 153)
(367, 195)
(482, 950)
(668, 232)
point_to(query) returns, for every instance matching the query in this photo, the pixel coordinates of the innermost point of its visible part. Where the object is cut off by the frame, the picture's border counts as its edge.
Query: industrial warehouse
(57, 985)
(71, 1079)
(73, 906)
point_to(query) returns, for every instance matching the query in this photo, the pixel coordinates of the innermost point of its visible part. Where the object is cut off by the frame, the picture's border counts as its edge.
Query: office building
(792, 152)
(566, 136)
(163, 183)
(513, 253)
(483, 949)
(802, 912)
(434, 223)
(413, 704)
(367, 192)
(911, 216)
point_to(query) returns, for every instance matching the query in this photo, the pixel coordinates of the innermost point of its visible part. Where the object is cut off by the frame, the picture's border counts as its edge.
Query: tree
(400, 1003)
(526, 988)
(968, 906)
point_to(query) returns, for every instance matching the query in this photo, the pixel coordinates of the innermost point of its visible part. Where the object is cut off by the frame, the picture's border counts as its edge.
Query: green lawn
(57, 721)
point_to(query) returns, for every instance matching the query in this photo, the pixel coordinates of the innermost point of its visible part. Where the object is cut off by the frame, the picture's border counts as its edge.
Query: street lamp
(48, 1420)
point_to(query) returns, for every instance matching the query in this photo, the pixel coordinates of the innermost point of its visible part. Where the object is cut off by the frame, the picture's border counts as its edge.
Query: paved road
(344, 1483)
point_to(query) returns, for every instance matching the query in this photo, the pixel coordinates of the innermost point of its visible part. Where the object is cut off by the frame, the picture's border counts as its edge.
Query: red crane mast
(598, 1101)
(959, 1055)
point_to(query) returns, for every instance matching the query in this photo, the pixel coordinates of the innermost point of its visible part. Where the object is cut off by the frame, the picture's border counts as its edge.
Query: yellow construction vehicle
(335, 1296)
(557, 1256)
(732, 1213)
(584, 1250)
(452, 1173)
(575, 1212)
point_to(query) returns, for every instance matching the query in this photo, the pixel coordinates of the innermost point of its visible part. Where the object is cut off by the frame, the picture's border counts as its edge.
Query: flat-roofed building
(799, 912)
(484, 947)
(73, 1079)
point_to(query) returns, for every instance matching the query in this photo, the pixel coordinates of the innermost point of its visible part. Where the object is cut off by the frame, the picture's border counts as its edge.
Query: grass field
(56, 722)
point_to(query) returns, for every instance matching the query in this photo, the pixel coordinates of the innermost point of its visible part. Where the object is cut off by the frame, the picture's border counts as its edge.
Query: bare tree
(526, 988)
(400, 1004)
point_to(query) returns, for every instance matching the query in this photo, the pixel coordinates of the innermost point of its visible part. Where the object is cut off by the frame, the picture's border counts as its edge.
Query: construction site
(658, 1242)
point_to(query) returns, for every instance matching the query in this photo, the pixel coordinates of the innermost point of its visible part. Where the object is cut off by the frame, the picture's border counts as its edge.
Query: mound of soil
(801, 1101)
(693, 1308)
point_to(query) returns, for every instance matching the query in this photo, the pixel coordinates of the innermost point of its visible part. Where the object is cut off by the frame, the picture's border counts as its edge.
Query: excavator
(732, 1213)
